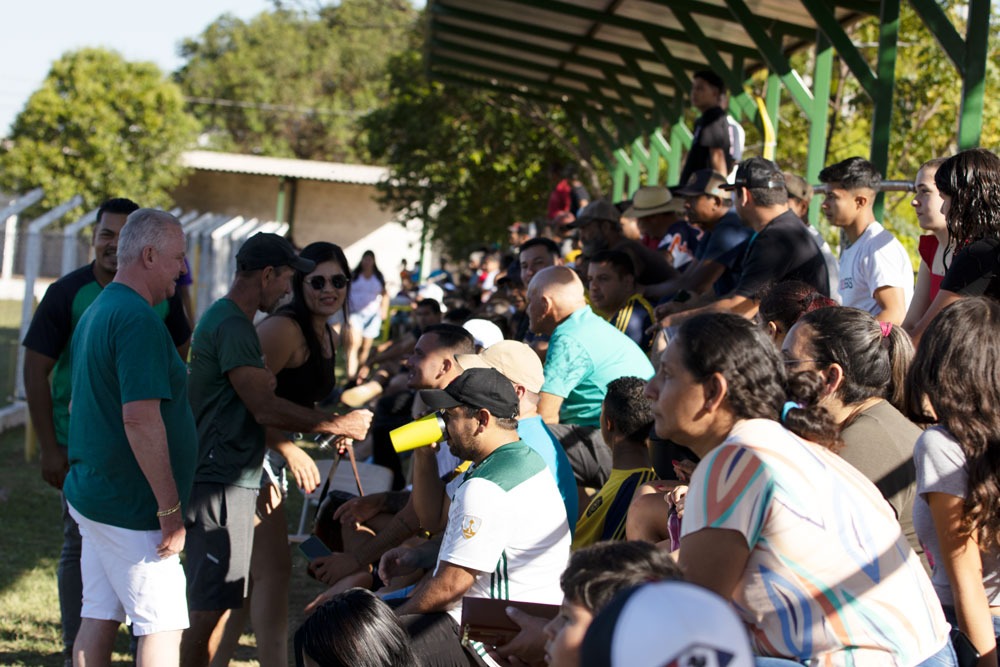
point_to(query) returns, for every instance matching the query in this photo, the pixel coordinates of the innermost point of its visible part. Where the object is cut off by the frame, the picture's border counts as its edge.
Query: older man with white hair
(132, 451)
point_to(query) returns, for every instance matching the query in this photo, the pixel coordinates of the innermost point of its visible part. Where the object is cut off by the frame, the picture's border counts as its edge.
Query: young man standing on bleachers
(876, 274)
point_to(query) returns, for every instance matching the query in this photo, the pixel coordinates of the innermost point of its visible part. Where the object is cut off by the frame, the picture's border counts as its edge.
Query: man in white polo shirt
(875, 272)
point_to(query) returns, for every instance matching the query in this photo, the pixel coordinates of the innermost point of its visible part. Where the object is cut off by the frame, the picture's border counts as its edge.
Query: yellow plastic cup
(420, 433)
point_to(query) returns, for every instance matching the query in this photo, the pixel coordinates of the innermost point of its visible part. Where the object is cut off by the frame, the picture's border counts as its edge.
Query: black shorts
(589, 457)
(218, 545)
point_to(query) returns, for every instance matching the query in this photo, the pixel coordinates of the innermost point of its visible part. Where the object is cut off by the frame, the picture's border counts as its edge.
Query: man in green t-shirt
(232, 396)
(47, 375)
(131, 451)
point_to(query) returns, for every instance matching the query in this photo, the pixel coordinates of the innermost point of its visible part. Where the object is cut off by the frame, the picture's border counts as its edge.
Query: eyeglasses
(339, 281)
(802, 361)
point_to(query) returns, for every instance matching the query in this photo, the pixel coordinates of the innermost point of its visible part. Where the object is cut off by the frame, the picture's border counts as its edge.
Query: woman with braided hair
(801, 542)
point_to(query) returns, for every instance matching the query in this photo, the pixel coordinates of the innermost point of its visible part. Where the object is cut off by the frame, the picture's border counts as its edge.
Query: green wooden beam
(680, 140)
(682, 82)
(970, 120)
(650, 160)
(609, 112)
(771, 53)
(597, 121)
(720, 12)
(626, 23)
(610, 79)
(660, 147)
(659, 102)
(553, 34)
(827, 23)
(869, 7)
(510, 77)
(601, 145)
(944, 32)
(715, 62)
(882, 114)
(772, 100)
(626, 93)
(626, 171)
(442, 28)
(639, 117)
(819, 118)
(608, 105)
(598, 149)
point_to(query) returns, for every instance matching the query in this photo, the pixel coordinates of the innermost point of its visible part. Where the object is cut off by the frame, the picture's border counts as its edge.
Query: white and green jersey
(508, 521)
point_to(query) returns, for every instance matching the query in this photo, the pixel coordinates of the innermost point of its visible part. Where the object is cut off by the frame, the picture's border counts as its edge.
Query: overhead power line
(280, 108)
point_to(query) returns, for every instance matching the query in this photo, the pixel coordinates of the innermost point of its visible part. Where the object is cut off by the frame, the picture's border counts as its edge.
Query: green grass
(31, 538)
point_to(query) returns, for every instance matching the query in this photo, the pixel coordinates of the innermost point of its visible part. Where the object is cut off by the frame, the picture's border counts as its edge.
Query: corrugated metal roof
(276, 166)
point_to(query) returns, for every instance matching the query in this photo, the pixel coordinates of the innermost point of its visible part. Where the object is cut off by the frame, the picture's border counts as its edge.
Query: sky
(36, 33)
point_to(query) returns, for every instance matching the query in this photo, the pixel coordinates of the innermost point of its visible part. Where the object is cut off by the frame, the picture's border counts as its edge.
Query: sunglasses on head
(338, 281)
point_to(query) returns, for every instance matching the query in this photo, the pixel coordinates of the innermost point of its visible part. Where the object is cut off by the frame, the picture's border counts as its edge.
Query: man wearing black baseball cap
(720, 249)
(232, 397)
(263, 249)
(780, 248)
(507, 535)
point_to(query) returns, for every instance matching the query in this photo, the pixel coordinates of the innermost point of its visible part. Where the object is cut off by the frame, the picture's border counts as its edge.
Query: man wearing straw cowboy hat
(657, 211)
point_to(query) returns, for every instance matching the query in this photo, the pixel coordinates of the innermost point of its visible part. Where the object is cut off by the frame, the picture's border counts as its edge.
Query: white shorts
(123, 576)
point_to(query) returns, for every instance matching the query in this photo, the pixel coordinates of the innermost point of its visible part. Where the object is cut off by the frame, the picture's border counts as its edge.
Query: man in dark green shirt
(47, 370)
(232, 396)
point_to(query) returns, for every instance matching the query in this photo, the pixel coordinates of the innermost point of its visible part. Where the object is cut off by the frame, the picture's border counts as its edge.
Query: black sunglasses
(338, 281)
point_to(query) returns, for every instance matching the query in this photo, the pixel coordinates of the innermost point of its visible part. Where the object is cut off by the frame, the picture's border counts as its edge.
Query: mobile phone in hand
(314, 548)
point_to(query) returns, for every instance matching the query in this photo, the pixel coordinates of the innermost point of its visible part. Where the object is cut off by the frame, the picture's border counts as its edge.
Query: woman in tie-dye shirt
(807, 549)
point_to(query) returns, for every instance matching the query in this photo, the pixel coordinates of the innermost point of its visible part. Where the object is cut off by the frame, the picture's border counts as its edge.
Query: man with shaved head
(585, 354)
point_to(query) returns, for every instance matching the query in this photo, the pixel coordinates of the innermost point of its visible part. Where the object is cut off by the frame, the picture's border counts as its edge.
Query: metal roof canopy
(629, 63)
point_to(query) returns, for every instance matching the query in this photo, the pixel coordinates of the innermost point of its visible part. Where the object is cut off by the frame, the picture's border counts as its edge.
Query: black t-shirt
(710, 131)
(975, 271)
(783, 250)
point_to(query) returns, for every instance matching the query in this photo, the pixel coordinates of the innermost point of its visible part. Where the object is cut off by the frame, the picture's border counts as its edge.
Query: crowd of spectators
(682, 427)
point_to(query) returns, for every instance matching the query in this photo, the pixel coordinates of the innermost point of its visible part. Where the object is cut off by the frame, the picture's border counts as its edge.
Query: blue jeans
(943, 658)
(69, 578)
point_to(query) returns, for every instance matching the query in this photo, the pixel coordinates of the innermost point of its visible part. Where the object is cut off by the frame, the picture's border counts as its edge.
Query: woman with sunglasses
(955, 383)
(300, 349)
(805, 547)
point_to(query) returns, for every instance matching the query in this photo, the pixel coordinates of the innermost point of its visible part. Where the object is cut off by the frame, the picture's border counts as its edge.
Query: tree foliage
(290, 82)
(926, 105)
(467, 162)
(99, 126)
